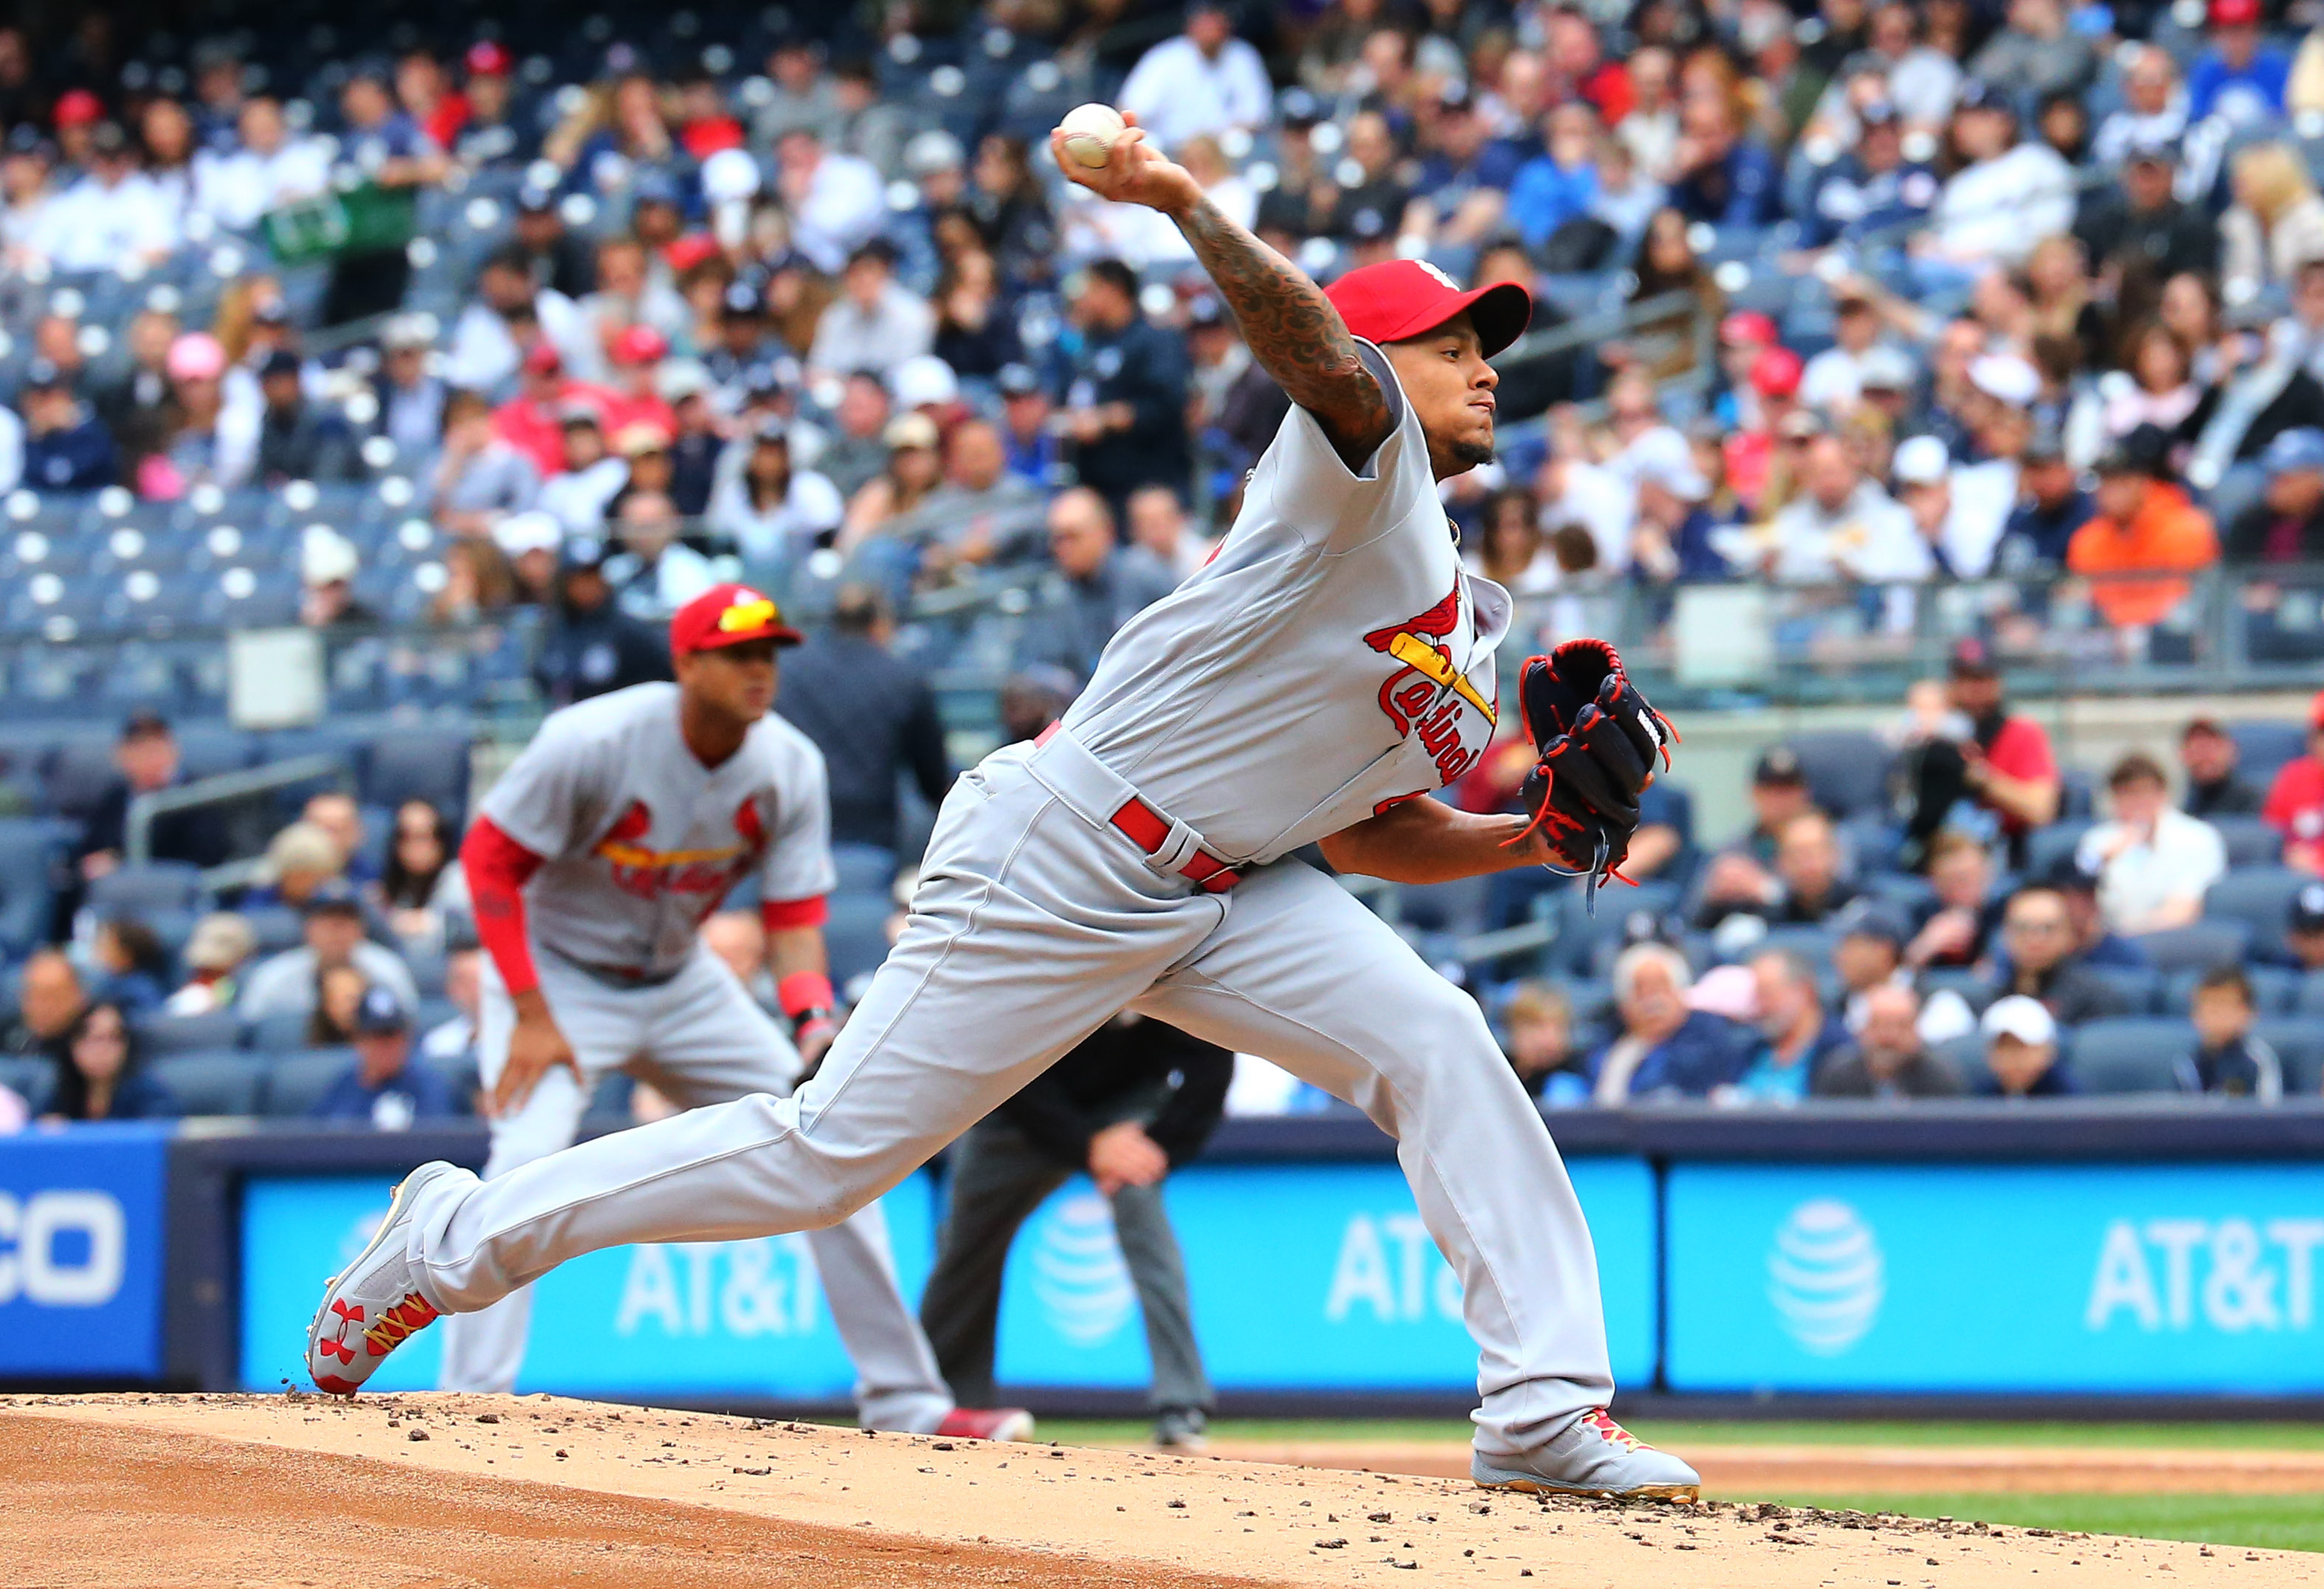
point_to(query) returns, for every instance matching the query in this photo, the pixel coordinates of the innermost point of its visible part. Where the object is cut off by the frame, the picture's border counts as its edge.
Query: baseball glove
(1596, 739)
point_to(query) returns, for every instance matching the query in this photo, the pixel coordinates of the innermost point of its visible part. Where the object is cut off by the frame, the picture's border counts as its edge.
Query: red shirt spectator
(532, 420)
(2295, 802)
(2012, 772)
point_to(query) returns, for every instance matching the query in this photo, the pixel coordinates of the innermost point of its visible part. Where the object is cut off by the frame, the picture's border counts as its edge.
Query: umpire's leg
(997, 1179)
(1149, 1247)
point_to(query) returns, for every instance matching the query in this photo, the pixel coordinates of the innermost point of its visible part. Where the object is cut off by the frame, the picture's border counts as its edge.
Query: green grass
(2267, 1522)
(1678, 1435)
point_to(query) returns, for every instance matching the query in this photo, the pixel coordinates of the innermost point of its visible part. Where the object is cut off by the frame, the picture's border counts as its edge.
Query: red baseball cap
(728, 614)
(1776, 373)
(76, 107)
(488, 58)
(639, 344)
(1748, 325)
(543, 359)
(1400, 298)
(2235, 14)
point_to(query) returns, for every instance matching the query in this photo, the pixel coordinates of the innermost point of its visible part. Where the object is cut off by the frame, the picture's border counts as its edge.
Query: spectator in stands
(1093, 591)
(873, 715)
(2238, 76)
(2035, 54)
(1719, 172)
(2228, 1059)
(1842, 526)
(221, 944)
(1868, 953)
(339, 993)
(589, 475)
(2295, 800)
(329, 563)
(452, 1042)
(384, 1088)
(2146, 525)
(2154, 106)
(2005, 196)
(592, 646)
(479, 477)
(66, 448)
(2156, 862)
(655, 573)
(409, 396)
(1664, 1048)
(1742, 874)
(1539, 1021)
(2144, 232)
(2075, 876)
(2276, 223)
(134, 964)
(332, 921)
(1890, 1061)
(1126, 411)
(1802, 888)
(336, 812)
(1960, 924)
(146, 756)
(2215, 786)
(1135, 1100)
(1796, 1038)
(379, 139)
(114, 215)
(1159, 532)
(2286, 525)
(1201, 80)
(265, 167)
(2021, 1051)
(2040, 962)
(876, 322)
(2052, 506)
(99, 1076)
(420, 884)
(775, 512)
(49, 999)
(2002, 766)
(981, 514)
(299, 860)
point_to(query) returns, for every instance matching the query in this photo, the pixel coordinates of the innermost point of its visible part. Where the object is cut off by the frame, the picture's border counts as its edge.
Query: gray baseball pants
(998, 1177)
(1034, 922)
(698, 1039)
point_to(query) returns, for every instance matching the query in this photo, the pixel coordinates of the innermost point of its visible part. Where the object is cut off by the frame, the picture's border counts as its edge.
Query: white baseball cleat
(372, 1306)
(1592, 1456)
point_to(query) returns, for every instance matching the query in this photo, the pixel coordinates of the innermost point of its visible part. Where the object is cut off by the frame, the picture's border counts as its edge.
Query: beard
(1471, 455)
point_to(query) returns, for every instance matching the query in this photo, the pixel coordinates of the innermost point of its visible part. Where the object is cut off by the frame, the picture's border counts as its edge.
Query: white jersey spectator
(483, 357)
(115, 213)
(1844, 526)
(1204, 80)
(267, 169)
(876, 322)
(2153, 861)
(836, 201)
(775, 512)
(2009, 196)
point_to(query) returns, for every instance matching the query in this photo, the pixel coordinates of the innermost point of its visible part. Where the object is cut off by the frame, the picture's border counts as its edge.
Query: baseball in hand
(1089, 132)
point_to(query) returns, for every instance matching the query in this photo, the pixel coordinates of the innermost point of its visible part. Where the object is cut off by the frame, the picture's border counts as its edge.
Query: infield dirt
(445, 1491)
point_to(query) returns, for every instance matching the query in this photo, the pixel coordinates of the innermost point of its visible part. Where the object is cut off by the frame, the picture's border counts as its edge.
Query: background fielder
(593, 863)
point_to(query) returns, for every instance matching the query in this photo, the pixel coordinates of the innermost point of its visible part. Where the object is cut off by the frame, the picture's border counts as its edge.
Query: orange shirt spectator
(2143, 524)
(2295, 800)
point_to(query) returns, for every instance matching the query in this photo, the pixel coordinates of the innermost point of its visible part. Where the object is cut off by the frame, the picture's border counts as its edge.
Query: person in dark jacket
(299, 440)
(383, 1088)
(147, 757)
(1666, 1049)
(2228, 1059)
(2216, 786)
(2051, 507)
(2041, 964)
(2140, 229)
(66, 448)
(594, 647)
(1136, 1100)
(1889, 1061)
(2286, 525)
(1125, 405)
(98, 1077)
(873, 715)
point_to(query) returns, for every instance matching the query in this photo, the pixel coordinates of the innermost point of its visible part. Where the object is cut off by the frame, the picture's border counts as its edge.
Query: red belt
(1149, 830)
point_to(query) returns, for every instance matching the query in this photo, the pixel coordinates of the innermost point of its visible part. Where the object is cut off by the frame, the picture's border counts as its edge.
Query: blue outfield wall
(82, 1226)
(1303, 1276)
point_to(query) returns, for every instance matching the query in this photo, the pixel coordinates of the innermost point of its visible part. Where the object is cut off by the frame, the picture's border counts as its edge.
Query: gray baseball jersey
(1303, 681)
(641, 841)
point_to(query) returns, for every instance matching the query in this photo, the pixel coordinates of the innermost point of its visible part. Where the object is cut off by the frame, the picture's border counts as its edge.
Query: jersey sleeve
(547, 798)
(1325, 502)
(797, 866)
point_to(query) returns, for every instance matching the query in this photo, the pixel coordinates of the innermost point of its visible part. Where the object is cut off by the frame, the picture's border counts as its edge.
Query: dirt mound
(441, 1490)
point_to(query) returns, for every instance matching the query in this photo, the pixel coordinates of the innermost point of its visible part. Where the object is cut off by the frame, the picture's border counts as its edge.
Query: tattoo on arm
(1292, 330)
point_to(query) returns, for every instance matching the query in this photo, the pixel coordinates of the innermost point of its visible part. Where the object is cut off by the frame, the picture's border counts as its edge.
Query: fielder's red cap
(728, 614)
(1401, 298)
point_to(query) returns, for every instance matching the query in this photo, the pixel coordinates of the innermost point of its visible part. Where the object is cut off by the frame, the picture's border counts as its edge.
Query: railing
(225, 789)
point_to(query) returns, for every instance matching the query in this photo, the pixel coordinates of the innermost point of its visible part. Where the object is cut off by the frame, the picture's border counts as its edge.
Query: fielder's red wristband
(804, 990)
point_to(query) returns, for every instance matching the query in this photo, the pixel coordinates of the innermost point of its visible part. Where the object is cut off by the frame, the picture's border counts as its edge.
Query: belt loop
(1179, 846)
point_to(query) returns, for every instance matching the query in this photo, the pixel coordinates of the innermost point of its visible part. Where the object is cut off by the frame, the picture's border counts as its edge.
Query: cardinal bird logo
(1424, 695)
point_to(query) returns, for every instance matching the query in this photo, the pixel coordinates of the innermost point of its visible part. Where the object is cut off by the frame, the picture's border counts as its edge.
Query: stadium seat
(2263, 748)
(2299, 1042)
(189, 1034)
(856, 935)
(30, 1077)
(32, 852)
(276, 926)
(1456, 907)
(2310, 999)
(156, 885)
(278, 1034)
(1846, 769)
(295, 1083)
(2045, 846)
(2260, 899)
(2140, 986)
(1966, 1055)
(2250, 842)
(220, 1081)
(460, 1075)
(2198, 947)
(426, 764)
(2133, 1055)
(1969, 983)
(78, 773)
(609, 1104)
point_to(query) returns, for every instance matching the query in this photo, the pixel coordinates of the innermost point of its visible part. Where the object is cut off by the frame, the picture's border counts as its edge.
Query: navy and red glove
(1597, 740)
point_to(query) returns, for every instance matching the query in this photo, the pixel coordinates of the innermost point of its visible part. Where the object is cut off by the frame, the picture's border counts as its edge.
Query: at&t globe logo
(1825, 1275)
(1078, 1274)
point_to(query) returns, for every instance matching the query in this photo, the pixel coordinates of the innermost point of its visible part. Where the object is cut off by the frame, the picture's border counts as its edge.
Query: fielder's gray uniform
(1263, 705)
(639, 843)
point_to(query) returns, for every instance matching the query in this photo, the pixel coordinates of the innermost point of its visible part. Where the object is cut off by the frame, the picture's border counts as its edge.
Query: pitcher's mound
(438, 1490)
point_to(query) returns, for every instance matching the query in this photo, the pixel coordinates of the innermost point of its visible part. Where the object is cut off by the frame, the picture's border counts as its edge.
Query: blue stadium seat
(2250, 842)
(863, 869)
(856, 936)
(1846, 769)
(217, 1082)
(79, 772)
(460, 1075)
(30, 1077)
(2140, 986)
(1456, 907)
(2310, 999)
(157, 886)
(1966, 1055)
(2299, 1042)
(2198, 947)
(278, 1034)
(2263, 748)
(2045, 846)
(428, 764)
(295, 1083)
(609, 1105)
(1967, 981)
(32, 853)
(276, 926)
(2133, 1055)
(190, 1034)
(1586, 942)
(2260, 899)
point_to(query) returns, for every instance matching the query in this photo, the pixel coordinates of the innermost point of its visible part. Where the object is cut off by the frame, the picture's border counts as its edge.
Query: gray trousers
(998, 1177)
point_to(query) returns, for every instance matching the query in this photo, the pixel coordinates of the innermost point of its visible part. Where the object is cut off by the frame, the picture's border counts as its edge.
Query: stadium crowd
(369, 323)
